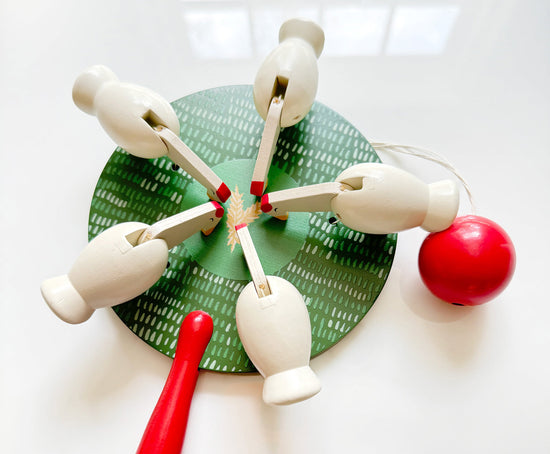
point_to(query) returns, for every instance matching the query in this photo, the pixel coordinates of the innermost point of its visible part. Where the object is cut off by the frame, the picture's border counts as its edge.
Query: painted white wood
(304, 29)
(122, 262)
(268, 144)
(275, 331)
(176, 229)
(374, 198)
(462, 380)
(386, 199)
(111, 270)
(291, 68)
(126, 112)
(142, 122)
(184, 157)
(315, 197)
(253, 261)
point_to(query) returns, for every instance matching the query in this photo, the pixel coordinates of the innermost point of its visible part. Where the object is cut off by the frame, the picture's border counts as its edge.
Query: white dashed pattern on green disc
(339, 271)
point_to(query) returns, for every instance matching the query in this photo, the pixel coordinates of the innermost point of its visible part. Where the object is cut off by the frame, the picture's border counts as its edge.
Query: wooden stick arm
(285, 88)
(268, 145)
(316, 197)
(184, 157)
(123, 262)
(142, 122)
(373, 198)
(175, 229)
(253, 261)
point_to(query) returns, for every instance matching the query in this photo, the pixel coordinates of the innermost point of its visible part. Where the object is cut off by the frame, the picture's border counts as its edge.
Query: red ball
(470, 263)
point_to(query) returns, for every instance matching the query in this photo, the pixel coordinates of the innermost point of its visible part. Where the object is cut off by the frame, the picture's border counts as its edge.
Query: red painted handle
(166, 428)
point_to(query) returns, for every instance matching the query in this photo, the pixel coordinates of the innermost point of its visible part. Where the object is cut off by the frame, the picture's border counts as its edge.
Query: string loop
(430, 156)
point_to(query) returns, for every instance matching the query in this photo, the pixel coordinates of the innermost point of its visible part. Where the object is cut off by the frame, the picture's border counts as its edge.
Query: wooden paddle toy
(143, 123)
(123, 262)
(373, 198)
(165, 431)
(274, 327)
(285, 88)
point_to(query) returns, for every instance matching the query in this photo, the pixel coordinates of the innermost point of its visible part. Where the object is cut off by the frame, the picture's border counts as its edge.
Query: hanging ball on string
(468, 264)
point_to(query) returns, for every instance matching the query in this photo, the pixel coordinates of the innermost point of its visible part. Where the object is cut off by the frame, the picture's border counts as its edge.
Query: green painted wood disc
(340, 272)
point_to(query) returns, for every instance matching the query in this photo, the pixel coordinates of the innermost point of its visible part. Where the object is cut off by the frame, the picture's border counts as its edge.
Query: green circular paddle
(340, 272)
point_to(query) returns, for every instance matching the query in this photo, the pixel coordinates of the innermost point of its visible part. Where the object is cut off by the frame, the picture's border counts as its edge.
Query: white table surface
(466, 78)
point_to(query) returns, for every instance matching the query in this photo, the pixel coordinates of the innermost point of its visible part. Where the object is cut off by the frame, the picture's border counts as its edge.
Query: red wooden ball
(470, 263)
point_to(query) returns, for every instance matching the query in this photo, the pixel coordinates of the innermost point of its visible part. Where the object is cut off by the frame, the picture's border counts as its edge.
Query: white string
(430, 156)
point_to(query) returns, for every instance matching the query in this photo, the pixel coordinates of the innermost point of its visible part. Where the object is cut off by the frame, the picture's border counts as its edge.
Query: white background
(466, 78)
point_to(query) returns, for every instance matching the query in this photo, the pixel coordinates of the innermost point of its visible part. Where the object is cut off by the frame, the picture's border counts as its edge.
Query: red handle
(166, 428)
